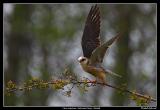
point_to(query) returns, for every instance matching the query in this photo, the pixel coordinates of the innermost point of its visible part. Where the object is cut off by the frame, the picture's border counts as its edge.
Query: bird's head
(83, 60)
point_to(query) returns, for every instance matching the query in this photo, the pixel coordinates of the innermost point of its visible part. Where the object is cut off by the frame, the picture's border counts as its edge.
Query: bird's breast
(92, 70)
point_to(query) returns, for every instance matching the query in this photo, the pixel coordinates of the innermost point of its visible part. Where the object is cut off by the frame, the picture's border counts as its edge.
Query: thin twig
(120, 89)
(74, 82)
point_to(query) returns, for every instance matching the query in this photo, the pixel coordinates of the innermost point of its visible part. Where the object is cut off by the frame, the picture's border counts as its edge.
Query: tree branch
(61, 83)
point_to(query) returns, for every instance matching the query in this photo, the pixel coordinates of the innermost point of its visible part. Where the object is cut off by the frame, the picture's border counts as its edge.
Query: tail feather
(112, 73)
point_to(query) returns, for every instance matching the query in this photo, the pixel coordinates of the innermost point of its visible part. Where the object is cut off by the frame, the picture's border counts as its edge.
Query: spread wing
(90, 38)
(98, 54)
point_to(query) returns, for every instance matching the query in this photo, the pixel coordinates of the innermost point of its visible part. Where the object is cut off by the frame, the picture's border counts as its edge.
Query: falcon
(93, 50)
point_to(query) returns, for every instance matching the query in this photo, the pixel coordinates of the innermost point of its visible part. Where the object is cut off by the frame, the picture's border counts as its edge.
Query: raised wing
(98, 54)
(90, 38)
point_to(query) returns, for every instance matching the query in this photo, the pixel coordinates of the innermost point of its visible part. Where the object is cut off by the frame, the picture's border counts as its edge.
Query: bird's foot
(94, 81)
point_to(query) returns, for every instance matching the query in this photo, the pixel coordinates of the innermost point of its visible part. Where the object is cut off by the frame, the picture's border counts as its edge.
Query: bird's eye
(82, 60)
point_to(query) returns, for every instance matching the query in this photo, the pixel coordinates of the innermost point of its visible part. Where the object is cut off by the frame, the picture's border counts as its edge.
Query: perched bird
(93, 51)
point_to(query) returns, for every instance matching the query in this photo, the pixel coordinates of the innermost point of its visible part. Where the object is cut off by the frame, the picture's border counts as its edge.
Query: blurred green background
(41, 39)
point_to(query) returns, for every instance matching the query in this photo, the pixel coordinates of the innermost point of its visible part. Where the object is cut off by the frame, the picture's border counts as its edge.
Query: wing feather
(90, 38)
(99, 53)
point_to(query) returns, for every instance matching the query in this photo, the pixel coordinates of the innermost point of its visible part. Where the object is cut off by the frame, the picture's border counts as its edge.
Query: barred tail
(112, 73)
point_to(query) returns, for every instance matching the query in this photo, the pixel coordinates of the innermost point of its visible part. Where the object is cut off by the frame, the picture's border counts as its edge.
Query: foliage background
(40, 40)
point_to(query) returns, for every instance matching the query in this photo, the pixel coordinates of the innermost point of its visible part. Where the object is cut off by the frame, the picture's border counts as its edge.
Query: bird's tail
(112, 73)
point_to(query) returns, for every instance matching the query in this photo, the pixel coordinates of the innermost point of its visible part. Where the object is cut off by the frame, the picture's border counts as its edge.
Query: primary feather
(90, 38)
